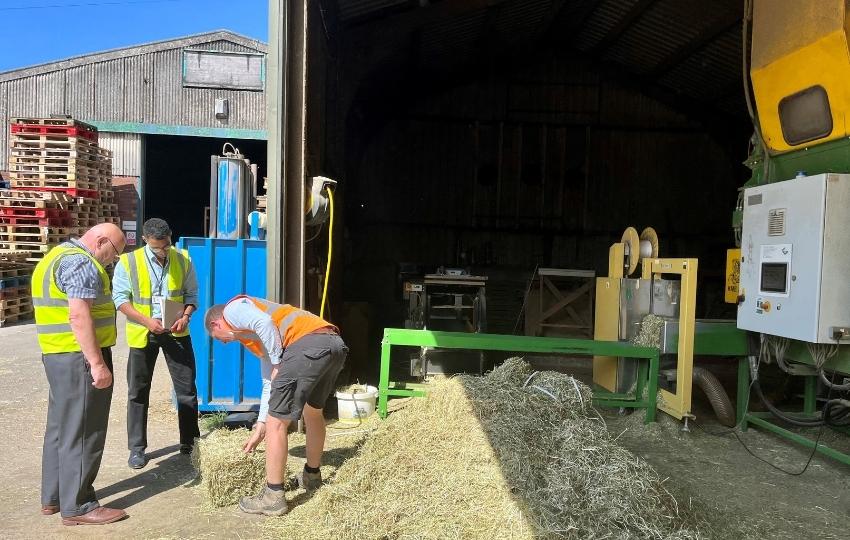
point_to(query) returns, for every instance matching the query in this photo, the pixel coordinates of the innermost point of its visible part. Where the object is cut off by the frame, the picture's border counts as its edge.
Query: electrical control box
(795, 258)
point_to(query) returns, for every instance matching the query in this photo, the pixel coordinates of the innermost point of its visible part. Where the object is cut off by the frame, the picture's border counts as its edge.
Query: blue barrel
(231, 215)
(228, 376)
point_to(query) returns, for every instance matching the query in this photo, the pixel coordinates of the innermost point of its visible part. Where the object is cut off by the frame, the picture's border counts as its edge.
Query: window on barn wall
(222, 69)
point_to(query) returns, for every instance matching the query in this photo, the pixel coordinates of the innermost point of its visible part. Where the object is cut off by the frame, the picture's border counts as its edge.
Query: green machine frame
(647, 380)
(763, 419)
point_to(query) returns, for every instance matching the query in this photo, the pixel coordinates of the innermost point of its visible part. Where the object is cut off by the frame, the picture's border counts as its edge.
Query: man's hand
(180, 324)
(101, 376)
(257, 436)
(155, 326)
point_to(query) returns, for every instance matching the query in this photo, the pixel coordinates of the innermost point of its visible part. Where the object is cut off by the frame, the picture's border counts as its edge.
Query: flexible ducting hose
(716, 395)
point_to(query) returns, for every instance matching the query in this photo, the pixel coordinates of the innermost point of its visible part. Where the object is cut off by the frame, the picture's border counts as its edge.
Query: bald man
(75, 323)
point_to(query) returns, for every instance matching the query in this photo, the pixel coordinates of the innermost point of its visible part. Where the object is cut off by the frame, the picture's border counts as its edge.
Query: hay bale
(226, 472)
(514, 454)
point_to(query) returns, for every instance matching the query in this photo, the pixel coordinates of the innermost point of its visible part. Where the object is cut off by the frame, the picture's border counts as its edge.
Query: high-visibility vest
(140, 286)
(293, 324)
(52, 311)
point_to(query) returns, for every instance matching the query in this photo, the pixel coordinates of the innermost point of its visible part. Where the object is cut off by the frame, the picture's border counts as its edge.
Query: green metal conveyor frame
(763, 419)
(647, 369)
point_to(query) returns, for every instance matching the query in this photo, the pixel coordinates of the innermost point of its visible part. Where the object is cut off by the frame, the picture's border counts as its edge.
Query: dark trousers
(181, 365)
(77, 418)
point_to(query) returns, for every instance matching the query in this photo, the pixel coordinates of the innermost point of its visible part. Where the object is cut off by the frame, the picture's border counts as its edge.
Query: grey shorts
(307, 375)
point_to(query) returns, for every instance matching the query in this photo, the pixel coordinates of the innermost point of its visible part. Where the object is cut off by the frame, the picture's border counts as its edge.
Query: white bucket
(356, 406)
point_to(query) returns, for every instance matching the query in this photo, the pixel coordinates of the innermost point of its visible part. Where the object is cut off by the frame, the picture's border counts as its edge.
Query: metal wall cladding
(228, 376)
(127, 152)
(142, 88)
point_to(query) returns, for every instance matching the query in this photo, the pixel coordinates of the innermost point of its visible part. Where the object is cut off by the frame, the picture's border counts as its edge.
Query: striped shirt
(76, 275)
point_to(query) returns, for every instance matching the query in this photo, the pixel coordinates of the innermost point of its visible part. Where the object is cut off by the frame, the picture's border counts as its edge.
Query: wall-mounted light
(222, 108)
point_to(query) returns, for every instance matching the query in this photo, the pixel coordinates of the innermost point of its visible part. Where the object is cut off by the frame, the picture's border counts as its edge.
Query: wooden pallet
(33, 229)
(60, 176)
(7, 319)
(73, 192)
(52, 130)
(20, 301)
(58, 160)
(33, 212)
(14, 282)
(56, 196)
(35, 238)
(28, 203)
(36, 221)
(37, 247)
(14, 269)
(14, 256)
(24, 141)
(88, 153)
(16, 292)
(51, 122)
(53, 183)
(68, 169)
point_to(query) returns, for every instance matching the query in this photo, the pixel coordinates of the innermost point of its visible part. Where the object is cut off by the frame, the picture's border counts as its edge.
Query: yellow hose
(330, 252)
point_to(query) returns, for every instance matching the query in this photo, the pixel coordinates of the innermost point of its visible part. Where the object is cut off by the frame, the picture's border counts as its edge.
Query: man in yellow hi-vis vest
(145, 280)
(75, 323)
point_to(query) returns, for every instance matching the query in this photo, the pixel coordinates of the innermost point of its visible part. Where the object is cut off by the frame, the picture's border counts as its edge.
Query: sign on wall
(223, 69)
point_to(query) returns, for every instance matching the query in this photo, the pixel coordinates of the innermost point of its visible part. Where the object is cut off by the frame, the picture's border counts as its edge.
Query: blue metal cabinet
(228, 376)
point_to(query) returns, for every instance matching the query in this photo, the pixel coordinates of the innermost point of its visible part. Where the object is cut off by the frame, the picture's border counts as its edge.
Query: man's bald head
(106, 241)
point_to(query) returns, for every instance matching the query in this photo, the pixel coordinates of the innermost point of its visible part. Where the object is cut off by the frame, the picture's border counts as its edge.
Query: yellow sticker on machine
(733, 275)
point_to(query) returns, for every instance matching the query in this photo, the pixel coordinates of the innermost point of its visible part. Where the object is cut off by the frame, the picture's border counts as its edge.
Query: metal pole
(276, 94)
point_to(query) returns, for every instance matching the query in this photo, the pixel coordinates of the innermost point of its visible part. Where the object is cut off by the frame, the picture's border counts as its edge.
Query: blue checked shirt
(76, 275)
(122, 291)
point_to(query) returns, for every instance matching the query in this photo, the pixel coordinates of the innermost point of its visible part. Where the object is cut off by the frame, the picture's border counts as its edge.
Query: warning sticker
(733, 275)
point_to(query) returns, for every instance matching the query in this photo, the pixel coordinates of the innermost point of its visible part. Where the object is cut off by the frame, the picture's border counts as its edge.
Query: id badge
(157, 300)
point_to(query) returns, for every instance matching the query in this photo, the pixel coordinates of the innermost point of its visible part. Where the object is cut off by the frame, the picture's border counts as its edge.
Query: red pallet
(70, 131)
(73, 192)
(21, 212)
(41, 222)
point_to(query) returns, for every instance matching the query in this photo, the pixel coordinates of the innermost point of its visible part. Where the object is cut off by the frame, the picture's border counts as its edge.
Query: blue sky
(38, 31)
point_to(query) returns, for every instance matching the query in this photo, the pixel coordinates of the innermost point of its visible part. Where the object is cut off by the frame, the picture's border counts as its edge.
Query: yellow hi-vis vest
(140, 285)
(52, 311)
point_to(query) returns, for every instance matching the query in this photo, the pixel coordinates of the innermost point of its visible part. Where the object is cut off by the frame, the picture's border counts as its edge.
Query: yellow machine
(622, 302)
(800, 70)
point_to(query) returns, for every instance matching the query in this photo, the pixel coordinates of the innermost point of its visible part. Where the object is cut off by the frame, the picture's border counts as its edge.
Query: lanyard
(158, 289)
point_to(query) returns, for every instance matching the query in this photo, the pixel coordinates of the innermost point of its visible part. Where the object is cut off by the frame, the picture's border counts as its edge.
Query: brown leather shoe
(49, 509)
(99, 516)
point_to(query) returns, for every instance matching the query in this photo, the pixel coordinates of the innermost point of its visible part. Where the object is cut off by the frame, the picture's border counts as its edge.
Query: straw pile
(226, 472)
(514, 454)
(649, 334)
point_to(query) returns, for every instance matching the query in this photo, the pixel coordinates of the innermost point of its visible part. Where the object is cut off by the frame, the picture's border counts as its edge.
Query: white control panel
(795, 258)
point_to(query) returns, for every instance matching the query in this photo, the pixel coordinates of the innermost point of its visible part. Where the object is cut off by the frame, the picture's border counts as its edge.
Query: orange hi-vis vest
(292, 323)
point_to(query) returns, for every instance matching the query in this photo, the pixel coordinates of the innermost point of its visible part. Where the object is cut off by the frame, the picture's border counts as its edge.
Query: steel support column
(285, 113)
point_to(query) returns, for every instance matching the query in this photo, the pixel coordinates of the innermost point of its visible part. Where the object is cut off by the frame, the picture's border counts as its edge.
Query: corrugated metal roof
(352, 9)
(692, 47)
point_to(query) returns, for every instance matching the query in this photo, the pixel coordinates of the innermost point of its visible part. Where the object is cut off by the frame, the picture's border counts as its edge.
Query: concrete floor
(160, 498)
(740, 497)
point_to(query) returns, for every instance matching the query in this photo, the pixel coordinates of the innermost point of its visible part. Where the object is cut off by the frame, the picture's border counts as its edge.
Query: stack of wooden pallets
(15, 298)
(61, 184)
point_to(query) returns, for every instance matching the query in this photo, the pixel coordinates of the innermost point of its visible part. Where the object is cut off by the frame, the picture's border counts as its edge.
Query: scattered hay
(515, 454)
(226, 472)
(650, 332)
